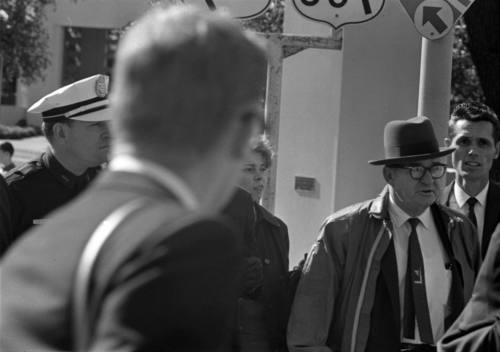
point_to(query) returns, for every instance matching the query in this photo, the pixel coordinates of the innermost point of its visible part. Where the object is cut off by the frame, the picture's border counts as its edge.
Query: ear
(447, 142)
(388, 175)
(497, 147)
(59, 131)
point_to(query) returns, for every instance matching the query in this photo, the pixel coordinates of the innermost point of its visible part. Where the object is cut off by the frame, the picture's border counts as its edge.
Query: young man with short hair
(474, 132)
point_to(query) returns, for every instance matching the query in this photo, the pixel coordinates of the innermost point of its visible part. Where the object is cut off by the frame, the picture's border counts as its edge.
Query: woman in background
(263, 316)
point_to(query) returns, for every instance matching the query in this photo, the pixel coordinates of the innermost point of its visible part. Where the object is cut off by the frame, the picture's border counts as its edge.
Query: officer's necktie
(415, 301)
(471, 202)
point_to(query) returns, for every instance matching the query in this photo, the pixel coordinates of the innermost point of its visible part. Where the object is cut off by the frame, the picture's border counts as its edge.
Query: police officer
(75, 123)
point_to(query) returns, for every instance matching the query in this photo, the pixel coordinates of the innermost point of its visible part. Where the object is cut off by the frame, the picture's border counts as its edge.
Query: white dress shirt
(158, 173)
(437, 278)
(458, 201)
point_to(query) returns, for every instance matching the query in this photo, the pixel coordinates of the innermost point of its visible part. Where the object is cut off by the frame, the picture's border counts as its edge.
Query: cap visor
(95, 116)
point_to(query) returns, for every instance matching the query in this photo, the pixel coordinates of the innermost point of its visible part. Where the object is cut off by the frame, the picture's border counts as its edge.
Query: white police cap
(84, 100)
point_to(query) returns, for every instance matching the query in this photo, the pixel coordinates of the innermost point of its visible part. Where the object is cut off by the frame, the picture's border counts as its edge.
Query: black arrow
(210, 4)
(367, 7)
(430, 14)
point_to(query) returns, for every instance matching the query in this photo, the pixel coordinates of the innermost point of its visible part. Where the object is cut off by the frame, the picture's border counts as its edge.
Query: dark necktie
(471, 202)
(415, 301)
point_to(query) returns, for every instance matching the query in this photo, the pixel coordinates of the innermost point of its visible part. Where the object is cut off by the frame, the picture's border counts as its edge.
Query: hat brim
(95, 116)
(442, 152)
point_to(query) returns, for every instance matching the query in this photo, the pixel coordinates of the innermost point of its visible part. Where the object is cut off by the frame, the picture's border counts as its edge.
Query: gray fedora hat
(410, 140)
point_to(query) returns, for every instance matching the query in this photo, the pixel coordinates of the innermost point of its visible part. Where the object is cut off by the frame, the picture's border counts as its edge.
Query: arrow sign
(435, 18)
(430, 14)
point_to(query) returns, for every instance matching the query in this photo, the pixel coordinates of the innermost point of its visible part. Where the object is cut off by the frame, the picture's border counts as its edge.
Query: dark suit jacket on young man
(478, 328)
(491, 215)
(155, 291)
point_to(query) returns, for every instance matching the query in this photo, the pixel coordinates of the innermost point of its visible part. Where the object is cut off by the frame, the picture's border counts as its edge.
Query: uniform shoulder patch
(22, 171)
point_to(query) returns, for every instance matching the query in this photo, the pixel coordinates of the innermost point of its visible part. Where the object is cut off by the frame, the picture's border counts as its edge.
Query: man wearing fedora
(75, 123)
(392, 273)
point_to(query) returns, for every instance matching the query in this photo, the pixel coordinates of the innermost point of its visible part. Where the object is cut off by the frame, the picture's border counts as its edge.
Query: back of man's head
(181, 74)
(7, 147)
(474, 112)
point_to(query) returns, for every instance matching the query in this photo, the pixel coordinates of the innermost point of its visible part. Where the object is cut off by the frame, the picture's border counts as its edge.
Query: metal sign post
(435, 81)
(280, 47)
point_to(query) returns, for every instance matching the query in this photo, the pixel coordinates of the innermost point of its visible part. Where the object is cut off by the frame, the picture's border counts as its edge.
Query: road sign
(434, 18)
(243, 9)
(337, 13)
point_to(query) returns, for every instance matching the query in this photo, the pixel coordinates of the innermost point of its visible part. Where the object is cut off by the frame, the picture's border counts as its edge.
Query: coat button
(267, 261)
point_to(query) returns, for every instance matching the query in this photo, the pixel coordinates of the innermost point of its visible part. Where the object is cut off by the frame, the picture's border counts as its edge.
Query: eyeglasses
(418, 171)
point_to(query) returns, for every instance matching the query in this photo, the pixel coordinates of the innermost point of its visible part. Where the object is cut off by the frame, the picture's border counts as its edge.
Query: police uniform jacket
(153, 290)
(39, 187)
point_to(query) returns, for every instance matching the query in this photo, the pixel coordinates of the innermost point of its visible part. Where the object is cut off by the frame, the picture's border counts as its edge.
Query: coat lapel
(388, 264)
(455, 302)
(279, 238)
(491, 215)
(388, 268)
(446, 194)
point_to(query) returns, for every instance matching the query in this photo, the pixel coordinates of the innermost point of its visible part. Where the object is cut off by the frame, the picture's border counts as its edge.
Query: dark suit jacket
(5, 223)
(241, 213)
(152, 291)
(478, 327)
(492, 213)
(265, 237)
(274, 244)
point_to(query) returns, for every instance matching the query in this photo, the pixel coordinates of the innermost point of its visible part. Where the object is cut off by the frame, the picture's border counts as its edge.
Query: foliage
(465, 84)
(23, 39)
(270, 21)
(19, 132)
(24, 44)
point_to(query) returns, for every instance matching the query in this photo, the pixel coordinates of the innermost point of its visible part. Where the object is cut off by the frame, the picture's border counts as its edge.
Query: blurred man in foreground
(186, 103)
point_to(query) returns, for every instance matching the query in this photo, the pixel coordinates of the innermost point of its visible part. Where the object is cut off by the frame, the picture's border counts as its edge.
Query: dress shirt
(158, 173)
(458, 202)
(437, 278)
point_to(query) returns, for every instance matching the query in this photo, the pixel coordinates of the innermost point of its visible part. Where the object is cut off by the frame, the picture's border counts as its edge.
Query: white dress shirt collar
(160, 174)
(399, 217)
(461, 197)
